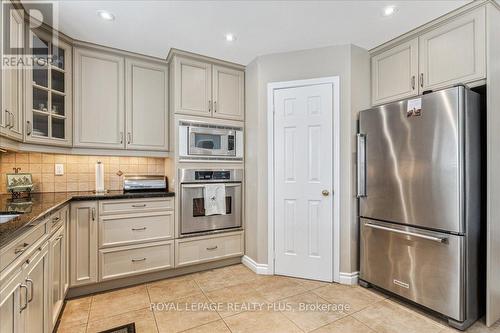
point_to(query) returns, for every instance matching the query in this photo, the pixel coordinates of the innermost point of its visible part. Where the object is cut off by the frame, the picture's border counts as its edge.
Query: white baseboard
(257, 268)
(349, 278)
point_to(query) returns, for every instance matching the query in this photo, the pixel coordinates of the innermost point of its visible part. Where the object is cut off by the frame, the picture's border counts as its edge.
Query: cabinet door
(99, 99)
(192, 87)
(454, 52)
(65, 253)
(48, 102)
(83, 234)
(146, 105)
(394, 73)
(11, 120)
(228, 93)
(10, 306)
(56, 274)
(35, 320)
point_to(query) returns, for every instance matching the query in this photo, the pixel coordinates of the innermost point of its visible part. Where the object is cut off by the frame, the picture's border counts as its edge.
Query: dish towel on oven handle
(215, 199)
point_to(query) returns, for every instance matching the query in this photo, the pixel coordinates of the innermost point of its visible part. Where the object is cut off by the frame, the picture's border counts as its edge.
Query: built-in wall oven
(210, 141)
(192, 198)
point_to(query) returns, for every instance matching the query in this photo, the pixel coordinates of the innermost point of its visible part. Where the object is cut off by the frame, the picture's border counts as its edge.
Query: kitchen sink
(7, 217)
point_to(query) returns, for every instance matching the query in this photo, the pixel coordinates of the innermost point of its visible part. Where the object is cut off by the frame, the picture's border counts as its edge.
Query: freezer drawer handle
(361, 166)
(408, 233)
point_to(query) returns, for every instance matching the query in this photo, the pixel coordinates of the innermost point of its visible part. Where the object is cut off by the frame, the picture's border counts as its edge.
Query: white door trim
(271, 87)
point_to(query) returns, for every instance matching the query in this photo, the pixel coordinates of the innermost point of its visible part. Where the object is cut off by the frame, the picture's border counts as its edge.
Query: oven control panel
(212, 175)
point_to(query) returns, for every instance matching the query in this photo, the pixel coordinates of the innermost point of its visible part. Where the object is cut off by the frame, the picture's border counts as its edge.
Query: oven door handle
(203, 186)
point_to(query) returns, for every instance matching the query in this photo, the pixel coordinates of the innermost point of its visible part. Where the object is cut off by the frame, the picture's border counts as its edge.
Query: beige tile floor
(212, 301)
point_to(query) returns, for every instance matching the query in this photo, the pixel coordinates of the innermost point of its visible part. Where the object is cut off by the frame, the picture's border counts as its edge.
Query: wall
(79, 171)
(352, 65)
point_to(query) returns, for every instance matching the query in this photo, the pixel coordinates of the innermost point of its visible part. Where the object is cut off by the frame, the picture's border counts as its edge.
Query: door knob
(325, 193)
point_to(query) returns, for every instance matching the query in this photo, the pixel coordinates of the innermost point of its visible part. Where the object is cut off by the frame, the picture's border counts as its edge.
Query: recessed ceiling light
(389, 10)
(105, 15)
(230, 37)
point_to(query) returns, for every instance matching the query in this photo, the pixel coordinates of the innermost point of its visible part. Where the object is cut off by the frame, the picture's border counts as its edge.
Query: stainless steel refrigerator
(418, 173)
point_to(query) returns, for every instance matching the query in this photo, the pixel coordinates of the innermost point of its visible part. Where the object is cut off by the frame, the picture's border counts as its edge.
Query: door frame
(271, 87)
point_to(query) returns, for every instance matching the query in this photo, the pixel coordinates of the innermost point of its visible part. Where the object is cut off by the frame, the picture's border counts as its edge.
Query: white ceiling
(261, 27)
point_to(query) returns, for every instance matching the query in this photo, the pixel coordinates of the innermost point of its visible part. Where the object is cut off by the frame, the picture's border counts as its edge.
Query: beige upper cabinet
(204, 89)
(146, 105)
(450, 52)
(83, 242)
(48, 97)
(193, 87)
(394, 73)
(99, 99)
(11, 116)
(454, 52)
(228, 93)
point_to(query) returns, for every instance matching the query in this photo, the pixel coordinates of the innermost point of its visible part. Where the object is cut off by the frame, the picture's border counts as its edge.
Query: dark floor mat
(129, 328)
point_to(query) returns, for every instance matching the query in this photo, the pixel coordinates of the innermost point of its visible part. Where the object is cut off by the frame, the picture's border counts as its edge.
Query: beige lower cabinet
(190, 251)
(24, 299)
(57, 273)
(117, 230)
(83, 243)
(126, 206)
(137, 259)
(36, 280)
(9, 304)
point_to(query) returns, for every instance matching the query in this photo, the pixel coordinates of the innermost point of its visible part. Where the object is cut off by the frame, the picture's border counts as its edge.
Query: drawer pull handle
(136, 260)
(59, 238)
(21, 248)
(408, 233)
(30, 281)
(55, 219)
(138, 229)
(212, 248)
(139, 206)
(21, 306)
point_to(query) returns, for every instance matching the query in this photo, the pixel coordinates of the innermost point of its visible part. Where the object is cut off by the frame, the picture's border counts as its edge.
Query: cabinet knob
(325, 193)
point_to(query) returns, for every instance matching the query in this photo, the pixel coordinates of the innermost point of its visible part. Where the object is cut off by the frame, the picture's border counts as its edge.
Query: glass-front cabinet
(48, 86)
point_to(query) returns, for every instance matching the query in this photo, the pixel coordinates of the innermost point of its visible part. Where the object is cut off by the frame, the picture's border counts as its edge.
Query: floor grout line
(150, 303)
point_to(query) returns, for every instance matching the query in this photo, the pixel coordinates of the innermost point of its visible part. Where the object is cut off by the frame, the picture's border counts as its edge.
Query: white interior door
(303, 169)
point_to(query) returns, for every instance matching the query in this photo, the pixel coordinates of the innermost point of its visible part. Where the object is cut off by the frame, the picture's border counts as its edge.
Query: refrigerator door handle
(408, 233)
(361, 165)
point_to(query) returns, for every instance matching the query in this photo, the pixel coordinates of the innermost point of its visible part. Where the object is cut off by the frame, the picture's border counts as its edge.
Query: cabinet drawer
(57, 219)
(135, 205)
(208, 248)
(131, 260)
(135, 228)
(18, 247)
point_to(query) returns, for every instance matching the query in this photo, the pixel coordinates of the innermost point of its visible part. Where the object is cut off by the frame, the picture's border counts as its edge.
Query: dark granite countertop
(41, 205)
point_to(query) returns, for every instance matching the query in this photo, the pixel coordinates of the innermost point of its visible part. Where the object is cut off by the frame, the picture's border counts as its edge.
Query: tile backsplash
(79, 171)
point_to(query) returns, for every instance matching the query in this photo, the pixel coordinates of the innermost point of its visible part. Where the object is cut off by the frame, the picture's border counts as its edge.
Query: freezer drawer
(423, 266)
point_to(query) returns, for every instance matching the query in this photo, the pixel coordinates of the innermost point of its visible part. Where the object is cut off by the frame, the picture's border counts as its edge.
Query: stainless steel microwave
(210, 141)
